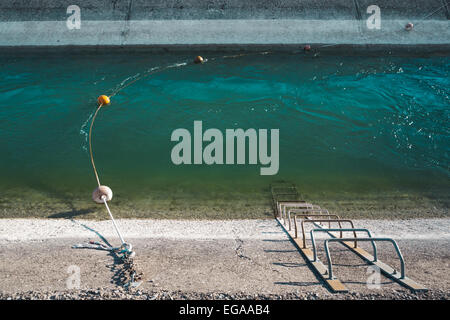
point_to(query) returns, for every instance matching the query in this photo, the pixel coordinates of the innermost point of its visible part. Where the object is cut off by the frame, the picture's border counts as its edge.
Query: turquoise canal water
(362, 135)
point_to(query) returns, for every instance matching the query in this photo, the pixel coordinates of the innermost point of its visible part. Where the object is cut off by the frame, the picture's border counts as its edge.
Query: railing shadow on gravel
(297, 284)
(116, 266)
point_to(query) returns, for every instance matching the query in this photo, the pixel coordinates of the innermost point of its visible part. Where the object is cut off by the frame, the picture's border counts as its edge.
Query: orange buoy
(307, 47)
(103, 100)
(198, 59)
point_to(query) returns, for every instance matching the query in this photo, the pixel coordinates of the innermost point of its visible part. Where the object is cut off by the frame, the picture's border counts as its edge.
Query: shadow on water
(63, 198)
(37, 185)
(70, 214)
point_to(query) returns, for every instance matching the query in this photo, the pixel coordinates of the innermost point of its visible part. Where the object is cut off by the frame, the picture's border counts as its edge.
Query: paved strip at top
(159, 22)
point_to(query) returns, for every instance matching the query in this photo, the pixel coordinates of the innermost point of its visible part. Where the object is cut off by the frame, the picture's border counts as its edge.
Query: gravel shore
(233, 259)
(121, 294)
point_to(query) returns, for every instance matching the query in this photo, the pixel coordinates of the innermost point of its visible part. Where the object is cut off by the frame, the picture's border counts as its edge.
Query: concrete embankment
(230, 22)
(12, 230)
(206, 259)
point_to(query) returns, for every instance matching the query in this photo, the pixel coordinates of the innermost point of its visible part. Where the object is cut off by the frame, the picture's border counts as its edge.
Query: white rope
(112, 218)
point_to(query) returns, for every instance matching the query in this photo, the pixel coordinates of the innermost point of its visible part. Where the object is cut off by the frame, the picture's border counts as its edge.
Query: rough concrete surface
(263, 263)
(202, 22)
(12, 230)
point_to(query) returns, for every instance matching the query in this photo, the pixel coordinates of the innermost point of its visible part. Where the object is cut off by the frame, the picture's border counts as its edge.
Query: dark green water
(357, 134)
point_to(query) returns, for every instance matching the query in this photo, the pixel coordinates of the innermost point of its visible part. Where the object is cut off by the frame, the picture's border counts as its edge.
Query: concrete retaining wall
(213, 22)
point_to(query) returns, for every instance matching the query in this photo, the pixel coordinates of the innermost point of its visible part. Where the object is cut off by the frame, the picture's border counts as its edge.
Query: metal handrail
(282, 211)
(274, 187)
(276, 194)
(289, 186)
(304, 215)
(348, 239)
(303, 210)
(276, 198)
(300, 210)
(373, 240)
(309, 208)
(329, 221)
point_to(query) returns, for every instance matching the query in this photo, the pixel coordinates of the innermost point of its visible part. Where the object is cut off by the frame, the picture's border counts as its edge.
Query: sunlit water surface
(358, 134)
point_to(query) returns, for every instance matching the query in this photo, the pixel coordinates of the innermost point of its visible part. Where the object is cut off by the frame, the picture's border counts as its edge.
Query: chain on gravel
(130, 276)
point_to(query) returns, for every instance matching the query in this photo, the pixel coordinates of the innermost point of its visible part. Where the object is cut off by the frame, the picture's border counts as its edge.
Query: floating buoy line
(130, 277)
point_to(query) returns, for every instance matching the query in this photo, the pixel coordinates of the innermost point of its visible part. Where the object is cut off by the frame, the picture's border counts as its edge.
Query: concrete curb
(202, 22)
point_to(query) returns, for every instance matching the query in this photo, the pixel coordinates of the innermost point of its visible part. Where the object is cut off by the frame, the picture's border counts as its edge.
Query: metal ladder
(287, 211)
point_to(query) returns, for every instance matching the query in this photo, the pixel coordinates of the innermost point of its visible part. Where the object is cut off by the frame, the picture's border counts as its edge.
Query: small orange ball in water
(103, 100)
(198, 59)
